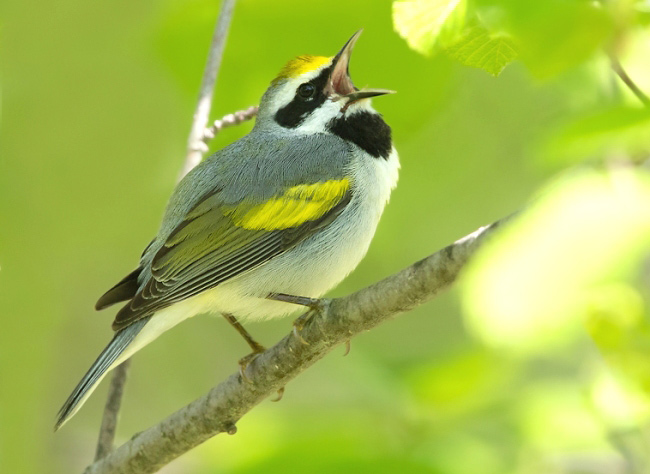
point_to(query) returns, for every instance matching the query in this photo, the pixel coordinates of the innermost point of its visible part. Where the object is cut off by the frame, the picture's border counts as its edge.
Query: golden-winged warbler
(272, 221)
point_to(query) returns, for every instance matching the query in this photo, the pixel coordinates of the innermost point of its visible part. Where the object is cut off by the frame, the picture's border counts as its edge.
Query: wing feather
(216, 242)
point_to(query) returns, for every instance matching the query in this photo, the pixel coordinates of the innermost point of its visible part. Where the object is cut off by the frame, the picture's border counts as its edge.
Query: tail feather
(106, 360)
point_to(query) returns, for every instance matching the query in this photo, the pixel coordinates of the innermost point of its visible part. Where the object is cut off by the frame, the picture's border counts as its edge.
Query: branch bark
(340, 319)
(196, 147)
(229, 120)
(112, 410)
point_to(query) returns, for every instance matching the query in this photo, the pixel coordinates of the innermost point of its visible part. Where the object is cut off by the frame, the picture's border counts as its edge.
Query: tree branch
(196, 146)
(229, 120)
(112, 410)
(340, 319)
(627, 80)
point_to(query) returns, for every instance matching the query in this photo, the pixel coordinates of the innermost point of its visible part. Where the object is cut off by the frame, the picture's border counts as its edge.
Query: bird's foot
(245, 361)
(314, 304)
(299, 325)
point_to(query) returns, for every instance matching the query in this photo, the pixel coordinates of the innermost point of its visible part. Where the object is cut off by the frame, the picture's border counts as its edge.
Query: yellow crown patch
(301, 65)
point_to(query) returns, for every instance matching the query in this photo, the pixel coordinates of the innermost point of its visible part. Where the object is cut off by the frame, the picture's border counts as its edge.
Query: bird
(266, 225)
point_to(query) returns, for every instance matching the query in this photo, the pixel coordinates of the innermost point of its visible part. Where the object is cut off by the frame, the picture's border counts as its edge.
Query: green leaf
(426, 24)
(617, 321)
(622, 405)
(534, 285)
(477, 47)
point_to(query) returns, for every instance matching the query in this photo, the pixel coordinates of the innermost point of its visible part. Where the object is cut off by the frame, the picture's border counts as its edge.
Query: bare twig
(112, 410)
(221, 408)
(620, 72)
(196, 147)
(229, 120)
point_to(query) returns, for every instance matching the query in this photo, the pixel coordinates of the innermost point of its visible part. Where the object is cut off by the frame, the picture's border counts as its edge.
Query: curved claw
(296, 333)
(299, 324)
(245, 361)
(347, 348)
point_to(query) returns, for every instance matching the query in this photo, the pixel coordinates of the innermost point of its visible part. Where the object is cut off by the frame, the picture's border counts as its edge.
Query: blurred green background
(536, 363)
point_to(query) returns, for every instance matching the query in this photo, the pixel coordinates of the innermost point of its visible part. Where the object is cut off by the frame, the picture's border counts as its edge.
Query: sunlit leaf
(620, 404)
(532, 285)
(477, 47)
(425, 23)
(616, 320)
(615, 314)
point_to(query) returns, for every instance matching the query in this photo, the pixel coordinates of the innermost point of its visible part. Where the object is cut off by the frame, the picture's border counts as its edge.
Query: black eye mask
(296, 111)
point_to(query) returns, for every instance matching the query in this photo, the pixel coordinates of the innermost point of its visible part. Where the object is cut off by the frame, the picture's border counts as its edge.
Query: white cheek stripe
(318, 119)
(287, 90)
(316, 122)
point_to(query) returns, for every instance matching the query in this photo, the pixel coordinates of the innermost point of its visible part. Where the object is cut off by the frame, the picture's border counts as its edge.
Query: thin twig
(196, 148)
(229, 120)
(195, 144)
(112, 410)
(221, 408)
(618, 69)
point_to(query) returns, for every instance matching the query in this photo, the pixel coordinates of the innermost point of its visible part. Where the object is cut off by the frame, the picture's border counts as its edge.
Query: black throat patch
(366, 130)
(296, 111)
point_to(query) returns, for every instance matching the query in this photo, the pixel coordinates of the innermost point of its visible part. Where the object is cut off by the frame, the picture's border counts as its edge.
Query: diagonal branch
(617, 67)
(196, 147)
(112, 410)
(340, 319)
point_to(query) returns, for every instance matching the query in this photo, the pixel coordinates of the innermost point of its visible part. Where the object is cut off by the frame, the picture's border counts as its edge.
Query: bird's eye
(306, 91)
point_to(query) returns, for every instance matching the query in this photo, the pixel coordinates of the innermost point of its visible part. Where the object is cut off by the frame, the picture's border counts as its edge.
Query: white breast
(318, 263)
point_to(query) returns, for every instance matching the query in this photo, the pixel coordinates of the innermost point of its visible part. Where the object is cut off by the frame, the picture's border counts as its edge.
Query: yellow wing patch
(299, 204)
(300, 65)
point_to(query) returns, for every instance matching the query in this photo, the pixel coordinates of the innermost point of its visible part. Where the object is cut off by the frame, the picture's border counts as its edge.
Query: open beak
(340, 85)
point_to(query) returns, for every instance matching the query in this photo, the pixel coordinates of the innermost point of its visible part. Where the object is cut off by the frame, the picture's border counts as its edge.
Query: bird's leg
(255, 346)
(314, 304)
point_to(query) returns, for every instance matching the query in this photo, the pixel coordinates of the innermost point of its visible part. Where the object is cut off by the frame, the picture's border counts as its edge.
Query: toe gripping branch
(316, 305)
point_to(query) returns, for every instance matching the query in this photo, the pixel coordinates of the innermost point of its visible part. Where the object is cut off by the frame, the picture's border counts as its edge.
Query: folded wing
(216, 242)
